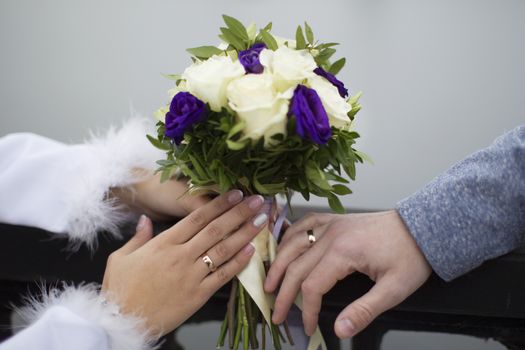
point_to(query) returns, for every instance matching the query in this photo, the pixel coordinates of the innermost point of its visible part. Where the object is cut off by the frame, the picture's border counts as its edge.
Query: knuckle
(294, 269)
(277, 266)
(397, 294)
(330, 233)
(214, 232)
(197, 218)
(240, 263)
(299, 241)
(221, 250)
(284, 239)
(242, 211)
(362, 314)
(339, 248)
(308, 288)
(112, 257)
(309, 215)
(222, 275)
(222, 205)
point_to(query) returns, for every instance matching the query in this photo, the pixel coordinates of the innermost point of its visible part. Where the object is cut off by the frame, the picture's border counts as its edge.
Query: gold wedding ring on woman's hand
(311, 237)
(207, 260)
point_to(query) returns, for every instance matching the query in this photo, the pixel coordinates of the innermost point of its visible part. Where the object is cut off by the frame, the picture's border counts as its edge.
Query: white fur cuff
(123, 332)
(109, 163)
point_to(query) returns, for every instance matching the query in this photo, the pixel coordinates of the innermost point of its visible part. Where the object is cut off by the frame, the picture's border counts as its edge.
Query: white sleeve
(77, 318)
(63, 188)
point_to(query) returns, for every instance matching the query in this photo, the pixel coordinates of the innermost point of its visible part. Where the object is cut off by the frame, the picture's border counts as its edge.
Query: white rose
(256, 101)
(160, 114)
(208, 80)
(285, 42)
(288, 66)
(178, 88)
(336, 107)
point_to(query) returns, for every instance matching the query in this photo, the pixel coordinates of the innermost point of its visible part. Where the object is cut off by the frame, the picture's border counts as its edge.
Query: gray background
(440, 78)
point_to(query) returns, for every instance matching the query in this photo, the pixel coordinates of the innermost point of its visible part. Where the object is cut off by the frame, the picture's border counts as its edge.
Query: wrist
(132, 195)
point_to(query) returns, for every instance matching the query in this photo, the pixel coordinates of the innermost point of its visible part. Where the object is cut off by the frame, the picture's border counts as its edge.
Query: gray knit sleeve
(474, 211)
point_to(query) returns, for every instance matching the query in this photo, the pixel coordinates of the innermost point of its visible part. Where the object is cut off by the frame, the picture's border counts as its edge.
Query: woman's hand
(377, 244)
(159, 200)
(164, 280)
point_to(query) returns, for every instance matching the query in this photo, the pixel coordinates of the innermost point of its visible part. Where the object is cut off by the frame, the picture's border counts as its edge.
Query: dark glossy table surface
(491, 297)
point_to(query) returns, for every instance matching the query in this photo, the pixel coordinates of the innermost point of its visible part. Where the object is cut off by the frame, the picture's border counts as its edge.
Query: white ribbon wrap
(252, 279)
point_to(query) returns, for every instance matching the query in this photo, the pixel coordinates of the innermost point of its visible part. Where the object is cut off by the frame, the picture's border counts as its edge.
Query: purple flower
(332, 79)
(250, 59)
(311, 118)
(185, 111)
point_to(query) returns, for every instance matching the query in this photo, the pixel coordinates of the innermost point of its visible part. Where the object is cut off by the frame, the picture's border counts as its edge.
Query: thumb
(143, 234)
(359, 314)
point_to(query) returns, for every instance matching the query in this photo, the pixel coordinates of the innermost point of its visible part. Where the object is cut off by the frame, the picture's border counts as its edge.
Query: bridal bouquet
(266, 115)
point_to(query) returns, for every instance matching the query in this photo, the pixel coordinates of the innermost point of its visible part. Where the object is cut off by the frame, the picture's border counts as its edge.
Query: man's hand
(377, 244)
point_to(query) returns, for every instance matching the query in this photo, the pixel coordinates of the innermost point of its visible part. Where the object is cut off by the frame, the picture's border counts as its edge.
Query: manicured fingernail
(346, 327)
(235, 196)
(248, 249)
(142, 222)
(254, 202)
(265, 208)
(260, 220)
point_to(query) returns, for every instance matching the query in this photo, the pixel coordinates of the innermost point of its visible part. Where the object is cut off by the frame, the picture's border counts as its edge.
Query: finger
(143, 234)
(191, 203)
(386, 293)
(296, 273)
(225, 249)
(288, 251)
(322, 278)
(224, 225)
(198, 219)
(308, 222)
(227, 271)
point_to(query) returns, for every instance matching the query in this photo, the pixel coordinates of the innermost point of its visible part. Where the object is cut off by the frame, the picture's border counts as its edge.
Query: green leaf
(237, 145)
(306, 195)
(300, 42)
(337, 66)
(259, 187)
(224, 182)
(164, 163)
(341, 190)
(198, 167)
(309, 33)
(326, 45)
(172, 76)
(353, 112)
(365, 157)
(325, 54)
(335, 204)
(316, 176)
(166, 174)
(236, 128)
(350, 170)
(236, 27)
(354, 99)
(268, 27)
(269, 40)
(335, 177)
(230, 38)
(204, 52)
(155, 142)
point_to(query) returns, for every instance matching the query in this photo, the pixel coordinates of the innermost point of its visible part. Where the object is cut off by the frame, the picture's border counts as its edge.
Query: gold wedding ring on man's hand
(311, 237)
(207, 260)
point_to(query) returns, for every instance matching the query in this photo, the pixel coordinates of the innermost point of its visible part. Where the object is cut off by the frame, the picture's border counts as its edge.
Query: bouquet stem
(240, 323)
(243, 315)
